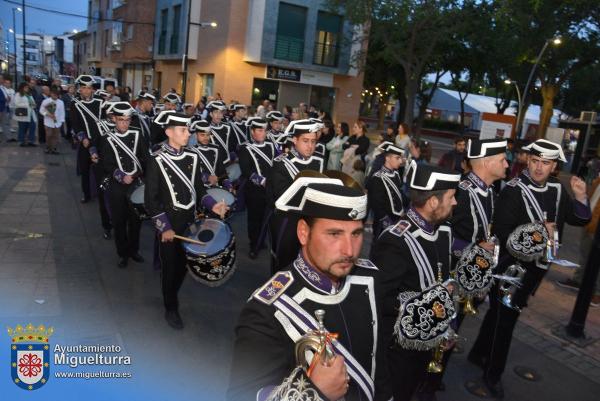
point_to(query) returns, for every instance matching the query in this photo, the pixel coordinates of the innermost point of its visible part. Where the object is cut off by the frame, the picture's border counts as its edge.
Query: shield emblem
(30, 365)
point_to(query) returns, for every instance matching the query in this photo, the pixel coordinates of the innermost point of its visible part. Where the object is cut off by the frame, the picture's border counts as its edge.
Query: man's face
(170, 106)
(540, 169)
(393, 161)
(7, 83)
(442, 209)
(122, 123)
(110, 89)
(497, 165)
(258, 134)
(54, 95)
(460, 146)
(217, 116)
(331, 246)
(203, 137)
(178, 136)
(86, 91)
(145, 105)
(305, 144)
(276, 125)
(46, 90)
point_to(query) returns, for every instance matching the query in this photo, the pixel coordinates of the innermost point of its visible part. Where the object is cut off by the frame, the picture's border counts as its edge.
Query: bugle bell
(318, 342)
(512, 280)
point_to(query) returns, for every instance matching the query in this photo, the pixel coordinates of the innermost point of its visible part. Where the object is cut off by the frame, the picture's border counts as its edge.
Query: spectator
(313, 112)
(519, 164)
(415, 150)
(297, 114)
(358, 172)
(453, 159)
(67, 97)
(113, 93)
(10, 92)
(402, 139)
(335, 146)
(25, 114)
(261, 111)
(287, 112)
(126, 94)
(4, 109)
(53, 110)
(356, 147)
(201, 110)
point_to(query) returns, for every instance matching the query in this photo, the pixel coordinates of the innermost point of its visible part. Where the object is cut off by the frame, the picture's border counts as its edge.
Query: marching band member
(212, 157)
(171, 102)
(124, 153)
(534, 196)
(173, 194)
(142, 116)
(221, 133)
(87, 125)
(413, 257)
(275, 132)
(320, 148)
(256, 159)
(284, 243)
(386, 199)
(238, 123)
(326, 275)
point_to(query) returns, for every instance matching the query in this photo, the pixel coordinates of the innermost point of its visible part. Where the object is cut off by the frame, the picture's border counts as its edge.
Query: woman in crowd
(356, 147)
(335, 146)
(402, 139)
(25, 114)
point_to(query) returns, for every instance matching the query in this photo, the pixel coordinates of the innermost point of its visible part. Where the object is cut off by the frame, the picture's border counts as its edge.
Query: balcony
(326, 54)
(289, 48)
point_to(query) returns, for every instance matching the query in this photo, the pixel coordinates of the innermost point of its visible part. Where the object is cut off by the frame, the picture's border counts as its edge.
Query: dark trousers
(84, 165)
(256, 202)
(173, 271)
(407, 369)
(495, 335)
(41, 130)
(284, 240)
(102, 198)
(125, 221)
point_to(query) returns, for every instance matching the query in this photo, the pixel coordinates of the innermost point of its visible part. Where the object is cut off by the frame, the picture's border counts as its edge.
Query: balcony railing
(326, 54)
(289, 48)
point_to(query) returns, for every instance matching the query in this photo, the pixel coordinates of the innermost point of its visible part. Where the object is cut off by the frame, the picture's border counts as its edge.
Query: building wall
(138, 48)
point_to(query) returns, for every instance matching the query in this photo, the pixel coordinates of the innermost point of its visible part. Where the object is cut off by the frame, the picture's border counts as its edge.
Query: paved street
(55, 269)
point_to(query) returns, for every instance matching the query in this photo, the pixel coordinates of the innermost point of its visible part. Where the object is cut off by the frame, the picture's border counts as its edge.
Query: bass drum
(136, 199)
(220, 194)
(212, 263)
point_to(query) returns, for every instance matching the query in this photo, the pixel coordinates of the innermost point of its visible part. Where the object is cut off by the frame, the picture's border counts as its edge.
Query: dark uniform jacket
(143, 122)
(221, 136)
(386, 199)
(239, 132)
(118, 152)
(473, 213)
(277, 315)
(523, 201)
(256, 161)
(398, 261)
(174, 190)
(212, 162)
(86, 117)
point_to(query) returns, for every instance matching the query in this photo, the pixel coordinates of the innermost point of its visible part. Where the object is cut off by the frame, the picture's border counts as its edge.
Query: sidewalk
(55, 269)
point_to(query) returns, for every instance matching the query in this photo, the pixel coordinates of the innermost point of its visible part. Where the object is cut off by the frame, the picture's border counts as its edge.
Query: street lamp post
(556, 41)
(24, 46)
(14, 31)
(520, 107)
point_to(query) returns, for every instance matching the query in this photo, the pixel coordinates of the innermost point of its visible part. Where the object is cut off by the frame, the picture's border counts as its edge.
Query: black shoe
(494, 387)
(85, 199)
(122, 263)
(252, 255)
(476, 360)
(22, 145)
(107, 234)
(137, 258)
(47, 151)
(12, 140)
(55, 152)
(32, 145)
(569, 284)
(173, 319)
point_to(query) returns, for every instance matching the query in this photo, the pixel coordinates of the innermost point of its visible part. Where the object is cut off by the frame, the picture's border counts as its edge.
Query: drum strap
(305, 323)
(481, 210)
(188, 183)
(241, 136)
(210, 167)
(125, 149)
(224, 143)
(426, 274)
(389, 183)
(83, 108)
(290, 166)
(530, 198)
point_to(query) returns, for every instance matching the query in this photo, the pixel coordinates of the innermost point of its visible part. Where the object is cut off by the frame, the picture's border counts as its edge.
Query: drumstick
(186, 239)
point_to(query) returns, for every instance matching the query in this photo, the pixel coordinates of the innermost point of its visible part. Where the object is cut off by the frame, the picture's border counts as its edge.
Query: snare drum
(213, 263)
(136, 199)
(234, 171)
(220, 194)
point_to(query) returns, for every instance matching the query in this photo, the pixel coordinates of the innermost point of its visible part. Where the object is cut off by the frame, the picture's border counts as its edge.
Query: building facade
(285, 51)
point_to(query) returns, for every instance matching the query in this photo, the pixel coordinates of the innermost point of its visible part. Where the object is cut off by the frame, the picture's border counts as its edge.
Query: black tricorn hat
(425, 177)
(478, 148)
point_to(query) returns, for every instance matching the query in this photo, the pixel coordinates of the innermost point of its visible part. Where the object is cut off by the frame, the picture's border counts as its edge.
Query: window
(162, 38)
(175, 27)
(206, 84)
(289, 44)
(94, 44)
(129, 32)
(117, 33)
(106, 41)
(329, 27)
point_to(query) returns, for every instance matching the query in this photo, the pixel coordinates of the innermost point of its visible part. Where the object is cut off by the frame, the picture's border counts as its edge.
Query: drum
(528, 242)
(474, 271)
(136, 199)
(213, 263)
(220, 194)
(234, 171)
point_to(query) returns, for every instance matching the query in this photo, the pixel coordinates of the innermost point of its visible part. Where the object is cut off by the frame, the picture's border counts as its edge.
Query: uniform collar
(215, 125)
(474, 178)
(297, 155)
(420, 221)
(388, 171)
(314, 277)
(171, 150)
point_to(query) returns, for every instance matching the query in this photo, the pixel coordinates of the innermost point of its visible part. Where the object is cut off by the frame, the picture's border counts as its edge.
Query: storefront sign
(287, 74)
(317, 78)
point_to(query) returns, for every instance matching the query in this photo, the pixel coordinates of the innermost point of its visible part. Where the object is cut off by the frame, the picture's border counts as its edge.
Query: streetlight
(555, 41)
(520, 108)
(14, 32)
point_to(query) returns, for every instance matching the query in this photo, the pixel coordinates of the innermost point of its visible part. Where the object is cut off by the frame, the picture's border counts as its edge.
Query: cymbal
(310, 173)
(345, 178)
